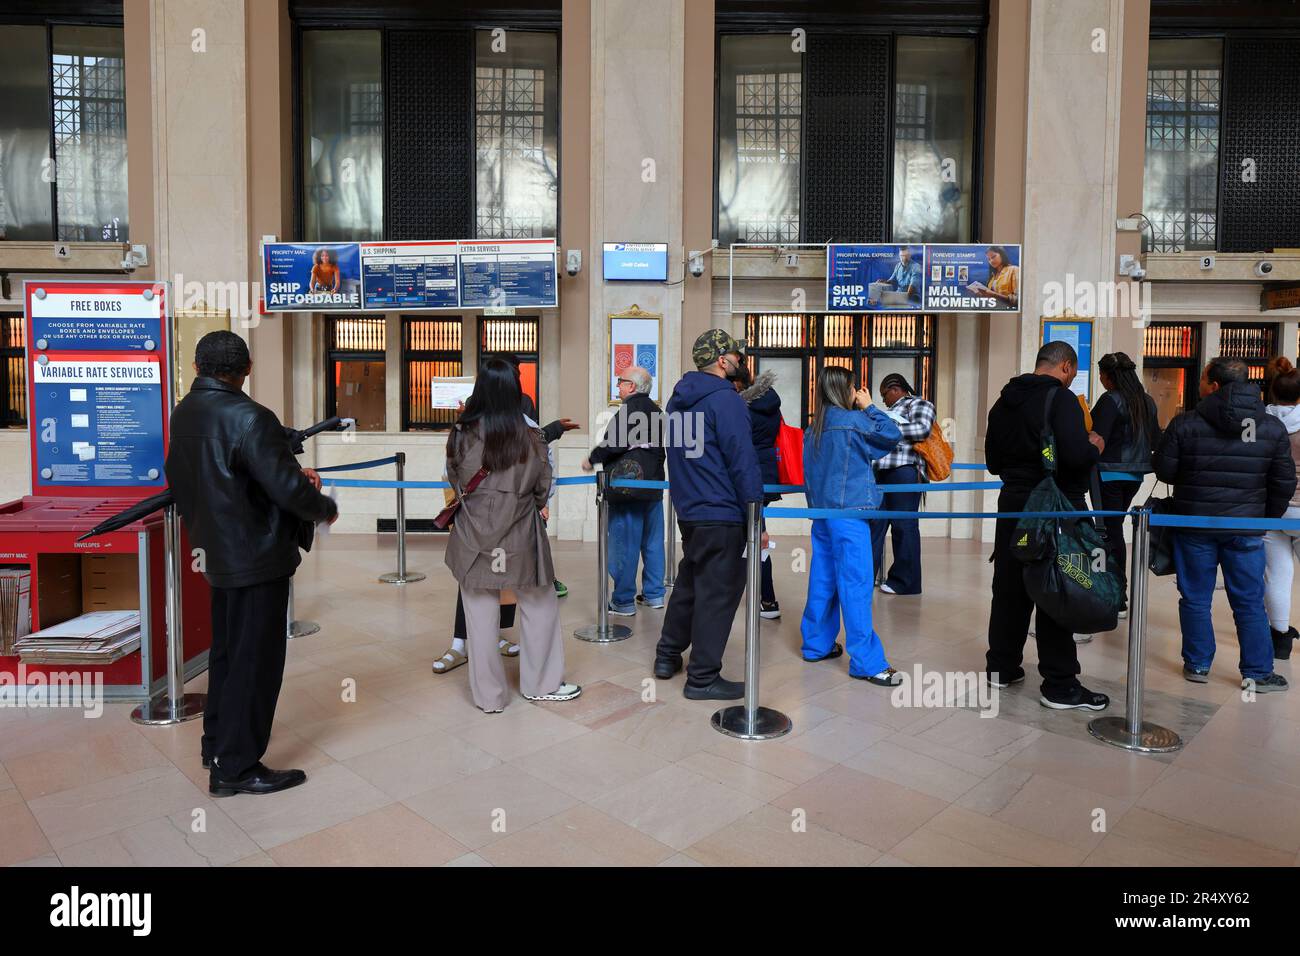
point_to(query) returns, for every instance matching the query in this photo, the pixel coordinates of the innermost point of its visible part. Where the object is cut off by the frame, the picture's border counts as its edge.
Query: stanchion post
(173, 706)
(602, 632)
(401, 575)
(670, 551)
(298, 628)
(1131, 732)
(750, 721)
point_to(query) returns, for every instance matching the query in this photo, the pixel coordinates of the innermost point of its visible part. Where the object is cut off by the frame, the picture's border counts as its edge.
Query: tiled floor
(631, 773)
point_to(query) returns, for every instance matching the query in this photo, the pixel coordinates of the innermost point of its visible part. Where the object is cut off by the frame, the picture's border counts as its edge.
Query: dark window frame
(481, 353)
(814, 352)
(410, 355)
(975, 27)
(335, 354)
(13, 327)
(1190, 363)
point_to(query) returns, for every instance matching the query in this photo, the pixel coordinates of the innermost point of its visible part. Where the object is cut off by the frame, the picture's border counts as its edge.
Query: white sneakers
(563, 692)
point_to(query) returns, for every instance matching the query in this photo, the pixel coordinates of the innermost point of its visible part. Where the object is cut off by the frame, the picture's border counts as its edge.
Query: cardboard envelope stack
(99, 637)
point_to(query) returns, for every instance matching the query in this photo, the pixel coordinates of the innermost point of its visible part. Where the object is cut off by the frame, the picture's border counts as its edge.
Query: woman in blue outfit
(847, 434)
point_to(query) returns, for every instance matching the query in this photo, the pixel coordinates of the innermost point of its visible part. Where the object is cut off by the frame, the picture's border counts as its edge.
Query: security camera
(573, 261)
(696, 263)
(1263, 268)
(1138, 274)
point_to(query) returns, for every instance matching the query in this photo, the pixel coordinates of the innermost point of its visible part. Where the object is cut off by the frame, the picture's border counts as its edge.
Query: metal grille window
(1252, 342)
(1180, 188)
(759, 140)
(516, 136)
(798, 346)
(516, 340)
(431, 348)
(63, 172)
(910, 115)
(1171, 358)
(13, 371)
(355, 381)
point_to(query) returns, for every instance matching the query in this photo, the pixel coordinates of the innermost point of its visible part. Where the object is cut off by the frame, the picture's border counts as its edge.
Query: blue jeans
(840, 581)
(636, 530)
(1196, 558)
(905, 573)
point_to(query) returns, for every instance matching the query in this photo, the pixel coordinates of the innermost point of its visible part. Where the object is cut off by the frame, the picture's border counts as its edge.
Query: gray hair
(640, 379)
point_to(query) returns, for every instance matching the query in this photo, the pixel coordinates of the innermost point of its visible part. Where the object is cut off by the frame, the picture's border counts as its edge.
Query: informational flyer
(100, 422)
(633, 342)
(508, 273)
(875, 278)
(109, 321)
(976, 277)
(311, 276)
(450, 392)
(410, 275)
(1078, 335)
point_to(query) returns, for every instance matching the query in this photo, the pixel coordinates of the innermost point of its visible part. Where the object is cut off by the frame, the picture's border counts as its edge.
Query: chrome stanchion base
(157, 711)
(595, 634)
(1154, 739)
(302, 629)
(768, 723)
(395, 577)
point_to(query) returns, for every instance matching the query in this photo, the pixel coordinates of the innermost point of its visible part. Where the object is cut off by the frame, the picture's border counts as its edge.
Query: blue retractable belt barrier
(859, 513)
(360, 483)
(578, 480)
(636, 483)
(1226, 524)
(358, 465)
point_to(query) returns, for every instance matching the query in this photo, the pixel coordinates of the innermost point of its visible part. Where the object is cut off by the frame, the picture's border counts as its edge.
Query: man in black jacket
(244, 500)
(1013, 451)
(1229, 458)
(636, 515)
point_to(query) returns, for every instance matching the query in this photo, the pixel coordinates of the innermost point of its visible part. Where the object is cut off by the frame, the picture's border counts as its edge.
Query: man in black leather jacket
(1228, 458)
(244, 500)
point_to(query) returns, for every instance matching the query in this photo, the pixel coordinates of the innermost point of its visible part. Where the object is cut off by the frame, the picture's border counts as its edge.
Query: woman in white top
(1281, 548)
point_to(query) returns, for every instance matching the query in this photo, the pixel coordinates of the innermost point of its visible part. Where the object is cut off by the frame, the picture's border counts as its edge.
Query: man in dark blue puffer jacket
(713, 474)
(1228, 458)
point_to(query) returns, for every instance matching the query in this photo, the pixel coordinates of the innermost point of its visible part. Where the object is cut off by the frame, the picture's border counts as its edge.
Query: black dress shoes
(667, 667)
(720, 689)
(261, 779)
(207, 762)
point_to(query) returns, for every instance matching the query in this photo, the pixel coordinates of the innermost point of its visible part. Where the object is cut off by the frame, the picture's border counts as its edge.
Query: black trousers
(1058, 658)
(245, 669)
(507, 618)
(1117, 496)
(710, 582)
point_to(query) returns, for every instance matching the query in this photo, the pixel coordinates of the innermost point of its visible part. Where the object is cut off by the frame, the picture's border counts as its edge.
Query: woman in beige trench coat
(498, 541)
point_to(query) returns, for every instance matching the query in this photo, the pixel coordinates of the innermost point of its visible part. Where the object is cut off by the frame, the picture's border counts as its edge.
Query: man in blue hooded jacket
(713, 474)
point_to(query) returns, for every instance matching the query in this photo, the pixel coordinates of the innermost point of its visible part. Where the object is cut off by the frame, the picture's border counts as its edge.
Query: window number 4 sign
(61, 251)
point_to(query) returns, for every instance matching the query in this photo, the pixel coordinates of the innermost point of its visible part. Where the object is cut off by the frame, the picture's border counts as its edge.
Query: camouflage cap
(714, 344)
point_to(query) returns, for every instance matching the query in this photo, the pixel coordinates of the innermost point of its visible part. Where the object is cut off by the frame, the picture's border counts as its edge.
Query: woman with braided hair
(1125, 416)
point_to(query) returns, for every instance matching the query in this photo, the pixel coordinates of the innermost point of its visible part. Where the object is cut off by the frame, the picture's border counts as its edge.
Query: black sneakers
(1078, 698)
(720, 689)
(1268, 684)
(666, 667)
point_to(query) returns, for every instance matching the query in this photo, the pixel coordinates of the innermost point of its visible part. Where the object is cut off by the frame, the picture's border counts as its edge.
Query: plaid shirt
(919, 415)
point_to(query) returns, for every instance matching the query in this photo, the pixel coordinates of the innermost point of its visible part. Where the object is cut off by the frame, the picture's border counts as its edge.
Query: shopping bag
(789, 455)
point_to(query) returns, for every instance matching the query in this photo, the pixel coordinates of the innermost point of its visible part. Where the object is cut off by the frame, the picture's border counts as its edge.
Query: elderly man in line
(632, 447)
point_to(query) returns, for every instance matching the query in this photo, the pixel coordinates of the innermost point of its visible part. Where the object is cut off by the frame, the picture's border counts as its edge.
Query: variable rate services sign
(90, 320)
(901, 277)
(411, 276)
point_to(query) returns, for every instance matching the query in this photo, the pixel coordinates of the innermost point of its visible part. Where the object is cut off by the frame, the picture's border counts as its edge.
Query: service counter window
(1171, 366)
(431, 349)
(1252, 342)
(516, 340)
(871, 346)
(355, 380)
(13, 372)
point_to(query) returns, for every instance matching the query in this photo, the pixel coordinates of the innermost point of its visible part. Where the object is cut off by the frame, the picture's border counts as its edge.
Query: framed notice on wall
(634, 340)
(1078, 333)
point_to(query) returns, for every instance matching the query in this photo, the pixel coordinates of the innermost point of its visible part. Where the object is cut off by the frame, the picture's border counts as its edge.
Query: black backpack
(1061, 554)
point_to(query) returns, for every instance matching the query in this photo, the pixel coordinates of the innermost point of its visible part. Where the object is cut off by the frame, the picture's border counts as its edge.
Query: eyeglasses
(626, 381)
